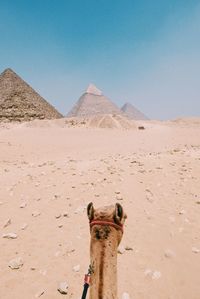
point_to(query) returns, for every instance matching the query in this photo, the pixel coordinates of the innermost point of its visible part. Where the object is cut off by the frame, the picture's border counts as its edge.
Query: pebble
(36, 214)
(65, 214)
(121, 249)
(7, 222)
(169, 253)
(10, 236)
(63, 288)
(16, 263)
(23, 205)
(117, 192)
(156, 275)
(128, 248)
(119, 197)
(125, 296)
(76, 268)
(57, 216)
(153, 274)
(195, 250)
(39, 294)
(24, 226)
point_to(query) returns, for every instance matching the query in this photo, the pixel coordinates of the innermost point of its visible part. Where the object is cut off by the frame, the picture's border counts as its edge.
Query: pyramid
(19, 102)
(93, 102)
(133, 113)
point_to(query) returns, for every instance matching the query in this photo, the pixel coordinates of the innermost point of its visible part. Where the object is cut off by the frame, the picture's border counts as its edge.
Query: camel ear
(90, 211)
(119, 213)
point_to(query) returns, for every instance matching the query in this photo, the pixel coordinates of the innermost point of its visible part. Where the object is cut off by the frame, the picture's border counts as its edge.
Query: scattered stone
(24, 226)
(117, 192)
(76, 268)
(195, 250)
(10, 236)
(125, 296)
(58, 216)
(7, 223)
(23, 205)
(65, 214)
(153, 274)
(128, 248)
(39, 294)
(121, 249)
(63, 288)
(141, 128)
(119, 197)
(16, 263)
(36, 214)
(79, 210)
(182, 212)
(169, 253)
(156, 275)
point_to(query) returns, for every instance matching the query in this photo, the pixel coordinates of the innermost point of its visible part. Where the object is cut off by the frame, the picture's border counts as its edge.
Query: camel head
(106, 222)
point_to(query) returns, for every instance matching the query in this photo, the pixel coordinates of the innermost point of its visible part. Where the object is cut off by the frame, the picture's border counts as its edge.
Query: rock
(65, 214)
(128, 248)
(156, 275)
(195, 250)
(121, 249)
(117, 192)
(16, 263)
(76, 268)
(39, 294)
(182, 212)
(169, 253)
(23, 205)
(153, 274)
(125, 296)
(36, 214)
(79, 210)
(10, 236)
(7, 223)
(24, 226)
(57, 216)
(63, 288)
(119, 197)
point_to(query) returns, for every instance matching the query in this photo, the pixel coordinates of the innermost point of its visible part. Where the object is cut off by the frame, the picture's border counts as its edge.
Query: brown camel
(106, 228)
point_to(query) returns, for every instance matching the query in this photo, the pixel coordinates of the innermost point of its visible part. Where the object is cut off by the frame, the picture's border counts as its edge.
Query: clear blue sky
(144, 52)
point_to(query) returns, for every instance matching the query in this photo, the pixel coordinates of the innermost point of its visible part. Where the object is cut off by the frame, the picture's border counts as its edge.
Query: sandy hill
(20, 102)
(133, 113)
(93, 102)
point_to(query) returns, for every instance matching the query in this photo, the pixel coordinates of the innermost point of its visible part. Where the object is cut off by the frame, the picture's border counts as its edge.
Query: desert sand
(50, 172)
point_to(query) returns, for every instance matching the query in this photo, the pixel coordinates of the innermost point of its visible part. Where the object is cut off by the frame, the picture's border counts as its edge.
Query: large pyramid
(19, 102)
(133, 113)
(93, 102)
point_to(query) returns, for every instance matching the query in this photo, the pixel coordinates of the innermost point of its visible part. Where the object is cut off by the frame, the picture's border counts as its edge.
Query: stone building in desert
(20, 102)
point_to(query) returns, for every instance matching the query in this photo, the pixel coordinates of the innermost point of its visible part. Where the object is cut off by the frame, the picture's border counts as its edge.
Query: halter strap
(106, 222)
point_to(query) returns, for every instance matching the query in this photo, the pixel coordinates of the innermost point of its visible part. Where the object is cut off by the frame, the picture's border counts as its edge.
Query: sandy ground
(49, 175)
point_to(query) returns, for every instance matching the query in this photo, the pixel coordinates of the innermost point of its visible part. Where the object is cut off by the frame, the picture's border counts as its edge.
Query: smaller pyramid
(93, 102)
(20, 102)
(133, 113)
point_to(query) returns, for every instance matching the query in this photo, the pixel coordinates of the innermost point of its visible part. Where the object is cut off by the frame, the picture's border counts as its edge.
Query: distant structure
(93, 102)
(19, 102)
(133, 113)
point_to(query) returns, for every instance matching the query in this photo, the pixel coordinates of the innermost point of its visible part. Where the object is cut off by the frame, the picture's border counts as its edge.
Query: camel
(106, 229)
